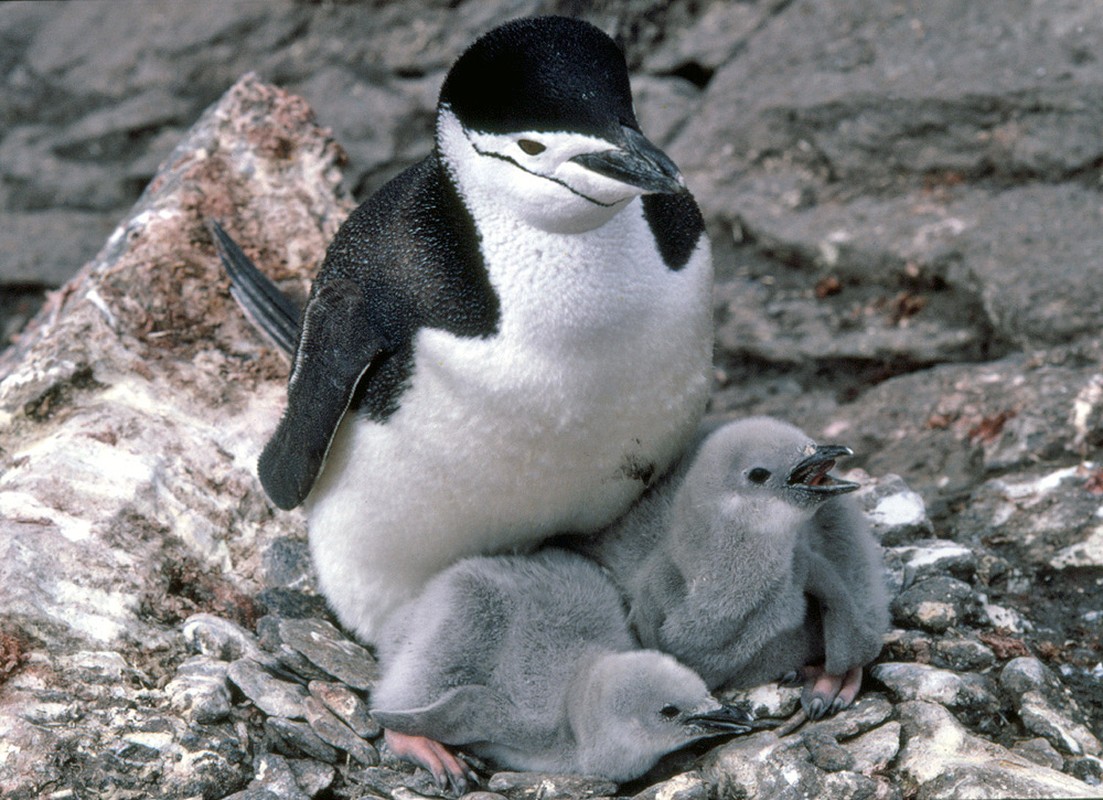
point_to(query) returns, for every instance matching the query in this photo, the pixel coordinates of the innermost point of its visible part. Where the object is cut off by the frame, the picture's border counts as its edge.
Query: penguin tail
(268, 308)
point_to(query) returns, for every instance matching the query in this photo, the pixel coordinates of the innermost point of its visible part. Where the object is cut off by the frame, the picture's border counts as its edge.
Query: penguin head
(762, 469)
(536, 117)
(642, 705)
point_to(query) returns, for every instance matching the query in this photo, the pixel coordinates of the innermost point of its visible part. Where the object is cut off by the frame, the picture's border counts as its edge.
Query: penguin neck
(603, 746)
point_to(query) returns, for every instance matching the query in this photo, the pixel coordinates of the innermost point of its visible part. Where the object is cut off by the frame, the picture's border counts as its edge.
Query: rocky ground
(905, 201)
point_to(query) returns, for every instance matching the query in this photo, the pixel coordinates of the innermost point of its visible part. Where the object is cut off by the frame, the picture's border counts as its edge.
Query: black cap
(542, 74)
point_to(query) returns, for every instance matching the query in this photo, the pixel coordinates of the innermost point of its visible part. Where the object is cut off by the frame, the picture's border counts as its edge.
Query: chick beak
(811, 476)
(636, 162)
(724, 719)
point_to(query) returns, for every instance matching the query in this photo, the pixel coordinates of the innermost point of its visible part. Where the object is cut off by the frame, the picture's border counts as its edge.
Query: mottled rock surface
(905, 201)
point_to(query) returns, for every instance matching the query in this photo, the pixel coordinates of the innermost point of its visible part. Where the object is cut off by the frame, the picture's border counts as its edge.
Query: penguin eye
(670, 712)
(758, 475)
(531, 147)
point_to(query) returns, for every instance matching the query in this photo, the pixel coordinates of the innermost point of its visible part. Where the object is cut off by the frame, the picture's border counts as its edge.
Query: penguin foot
(447, 769)
(825, 694)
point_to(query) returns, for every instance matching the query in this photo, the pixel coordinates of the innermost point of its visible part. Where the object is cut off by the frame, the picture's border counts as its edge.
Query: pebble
(687, 786)
(937, 604)
(896, 514)
(332, 731)
(327, 648)
(827, 754)
(345, 703)
(272, 696)
(297, 738)
(923, 682)
(273, 773)
(874, 750)
(199, 690)
(218, 638)
(542, 786)
(313, 777)
(268, 631)
(1040, 751)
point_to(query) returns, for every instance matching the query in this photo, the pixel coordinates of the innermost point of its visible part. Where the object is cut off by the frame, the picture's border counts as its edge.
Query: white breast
(598, 372)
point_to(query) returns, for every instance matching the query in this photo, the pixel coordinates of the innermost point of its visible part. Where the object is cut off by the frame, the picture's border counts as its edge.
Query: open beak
(636, 162)
(811, 476)
(724, 719)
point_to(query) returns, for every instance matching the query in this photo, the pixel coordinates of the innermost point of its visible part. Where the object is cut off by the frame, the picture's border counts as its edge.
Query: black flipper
(337, 346)
(273, 312)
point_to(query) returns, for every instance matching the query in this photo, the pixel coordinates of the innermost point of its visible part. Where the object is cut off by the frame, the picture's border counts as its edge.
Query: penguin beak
(636, 162)
(810, 476)
(725, 719)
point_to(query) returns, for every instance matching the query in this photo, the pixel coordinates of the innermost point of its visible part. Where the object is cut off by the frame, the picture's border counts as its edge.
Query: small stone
(268, 631)
(922, 682)
(929, 557)
(1040, 752)
(219, 638)
(484, 796)
(313, 777)
(332, 731)
(273, 773)
(258, 793)
(543, 786)
(963, 655)
(896, 514)
(1088, 769)
(868, 711)
(327, 648)
(687, 786)
(297, 738)
(199, 690)
(382, 780)
(769, 701)
(941, 759)
(286, 563)
(1041, 718)
(874, 750)
(272, 696)
(292, 603)
(936, 604)
(348, 707)
(846, 785)
(826, 753)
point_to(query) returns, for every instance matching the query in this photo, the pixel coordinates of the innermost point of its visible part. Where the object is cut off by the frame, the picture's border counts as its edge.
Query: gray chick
(749, 563)
(527, 661)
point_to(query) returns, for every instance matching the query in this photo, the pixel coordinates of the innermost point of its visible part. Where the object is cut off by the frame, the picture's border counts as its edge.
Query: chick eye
(758, 475)
(531, 147)
(670, 712)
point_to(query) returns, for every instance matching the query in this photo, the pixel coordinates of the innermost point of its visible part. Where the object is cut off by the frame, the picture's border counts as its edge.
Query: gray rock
(871, 752)
(943, 760)
(327, 648)
(334, 732)
(313, 777)
(686, 786)
(1040, 751)
(896, 513)
(762, 765)
(219, 638)
(199, 690)
(343, 702)
(383, 780)
(273, 773)
(937, 604)
(907, 682)
(298, 739)
(271, 695)
(826, 753)
(287, 564)
(1045, 707)
(540, 786)
(268, 632)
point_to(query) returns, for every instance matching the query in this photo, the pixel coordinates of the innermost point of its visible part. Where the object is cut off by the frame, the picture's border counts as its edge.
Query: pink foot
(826, 694)
(446, 768)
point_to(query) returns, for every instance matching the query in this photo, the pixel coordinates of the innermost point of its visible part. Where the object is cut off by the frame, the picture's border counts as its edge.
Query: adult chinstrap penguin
(509, 340)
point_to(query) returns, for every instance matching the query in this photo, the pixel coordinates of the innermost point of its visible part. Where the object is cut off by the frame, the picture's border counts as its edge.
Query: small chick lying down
(527, 661)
